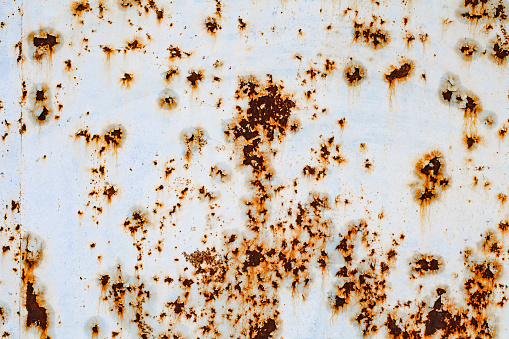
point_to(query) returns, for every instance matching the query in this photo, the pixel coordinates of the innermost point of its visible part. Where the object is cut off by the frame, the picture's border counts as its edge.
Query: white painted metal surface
(191, 169)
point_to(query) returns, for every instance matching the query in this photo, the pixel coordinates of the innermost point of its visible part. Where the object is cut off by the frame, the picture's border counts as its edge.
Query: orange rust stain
(194, 140)
(37, 314)
(212, 25)
(354, 73)
(399, 74)
(426, 264)
(111, 140)
(126, 80)
(45, 43)
(194, 78)
(78, 8)
(432, 179)
(371, 34)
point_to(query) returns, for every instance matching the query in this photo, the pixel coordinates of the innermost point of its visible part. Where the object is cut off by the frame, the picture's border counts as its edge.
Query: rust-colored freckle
(471, 140)
(194, 78)
(36, 314)
(502, 132)
(500, 52)
(426, 264)
(68, 65)
(134, 45)
(109, 192)
(79, 7)
(212, 25)
(44, 44)
(502, 198)
(194, 140)
(242, 24)
(468, 49)
(432, 180)
(368, 34)
(399, 74)
(168, 100)
(40, 95)
(354, 74)
(113, 137)
(127, 79)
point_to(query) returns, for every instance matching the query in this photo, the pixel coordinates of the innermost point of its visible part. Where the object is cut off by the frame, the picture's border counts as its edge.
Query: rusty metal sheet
(254, 169)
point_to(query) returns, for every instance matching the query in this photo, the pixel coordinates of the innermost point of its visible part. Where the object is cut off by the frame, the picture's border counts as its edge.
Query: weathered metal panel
(254, 169)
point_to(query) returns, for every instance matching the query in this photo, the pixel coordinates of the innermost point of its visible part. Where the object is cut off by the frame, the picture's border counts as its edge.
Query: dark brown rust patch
(212, 25)
(78, 8)
(266, 119)
(471, 141)
(126, 80)
(500, 52)
(68, 65)
(109, 192)
(136, 223)
(370, 34)
(354, 73)
(242, 24)
(36, 315)
(194, 78)
(45, 43)
(454, 94)
(41, 110)
(425, 264)
(134, 44)
(111, 140)
(430, 170)
(468, 50)
(171, 73)
(399, 74)
(176, 53)
(108, 51)
(208, 265)
(489, 10)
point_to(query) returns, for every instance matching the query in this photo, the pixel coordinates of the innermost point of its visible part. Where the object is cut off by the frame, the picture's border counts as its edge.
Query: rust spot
(126, 80)
(108, 51)
(476, 10)
(468, 50)
(209, 266)
(194, 78)
(171, 73)
(471, 140)
(432, 179)
(426, 264)
(370, 34)
(242, 24)
(194, 140)
(266, 119)
(45, 43)
(168, 100)
(136, 223)
(134, 44)
(354, 73)
(399, 74)
(68, 65)
(110, 192)
(499, 52)
(212, 25)
(111, 140)
(36, 315)
(176, 53)
(79, 7)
